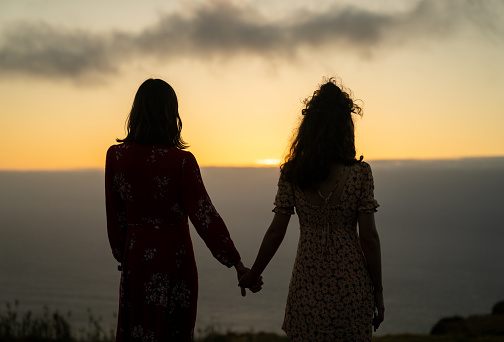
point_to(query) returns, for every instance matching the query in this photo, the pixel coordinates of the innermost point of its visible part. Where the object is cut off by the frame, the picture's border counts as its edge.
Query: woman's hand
(251, 281)
(380, 307)
(240, 271)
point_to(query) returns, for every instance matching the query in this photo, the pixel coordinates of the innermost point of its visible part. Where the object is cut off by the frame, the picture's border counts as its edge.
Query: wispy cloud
(39, 49)
(225, 29)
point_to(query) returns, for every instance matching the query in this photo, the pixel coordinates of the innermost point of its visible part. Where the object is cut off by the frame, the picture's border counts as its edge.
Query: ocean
(440, 224)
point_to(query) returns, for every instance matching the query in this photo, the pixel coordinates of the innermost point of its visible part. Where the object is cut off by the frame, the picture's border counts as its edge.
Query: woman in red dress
(152, 187)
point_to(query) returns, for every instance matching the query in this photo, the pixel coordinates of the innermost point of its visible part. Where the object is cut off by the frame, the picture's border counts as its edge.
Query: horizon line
(255, 166)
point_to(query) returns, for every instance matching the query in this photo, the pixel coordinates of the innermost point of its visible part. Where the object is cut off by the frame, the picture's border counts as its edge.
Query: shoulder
(362, 168)
(121, 146)
(285, 185)
(283, 179)
(183, 154)
(360, 165)
(185, 157)
(112, 150)
(118, 149)
(363, 165)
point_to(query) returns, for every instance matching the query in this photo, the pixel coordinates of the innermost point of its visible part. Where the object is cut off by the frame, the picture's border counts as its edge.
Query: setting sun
(268, 162)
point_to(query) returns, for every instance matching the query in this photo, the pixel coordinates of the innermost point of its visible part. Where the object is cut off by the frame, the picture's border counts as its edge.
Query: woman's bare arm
(370, 243)
(271, 241)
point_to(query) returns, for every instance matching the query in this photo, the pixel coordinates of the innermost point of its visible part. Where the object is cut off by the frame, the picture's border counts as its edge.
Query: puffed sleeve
(205, 219)
(367, 203)
(115, 210)
(284, 199)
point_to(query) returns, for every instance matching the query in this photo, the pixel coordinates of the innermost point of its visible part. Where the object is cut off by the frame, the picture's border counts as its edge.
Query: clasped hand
(247, 279)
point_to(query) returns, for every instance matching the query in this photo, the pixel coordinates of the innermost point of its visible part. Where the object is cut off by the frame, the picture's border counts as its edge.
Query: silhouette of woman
(336, 281)
(152, 187)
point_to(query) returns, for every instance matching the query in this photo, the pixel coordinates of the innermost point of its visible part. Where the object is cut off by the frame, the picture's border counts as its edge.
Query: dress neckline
(343, 179)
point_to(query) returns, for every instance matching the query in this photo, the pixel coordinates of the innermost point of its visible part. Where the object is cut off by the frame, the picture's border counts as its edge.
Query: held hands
(252, 281)
(247, 280)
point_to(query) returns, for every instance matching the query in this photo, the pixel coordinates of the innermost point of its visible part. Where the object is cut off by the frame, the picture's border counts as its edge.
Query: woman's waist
(331, 218)
(158, 227)
(321, 227)
(156, 221)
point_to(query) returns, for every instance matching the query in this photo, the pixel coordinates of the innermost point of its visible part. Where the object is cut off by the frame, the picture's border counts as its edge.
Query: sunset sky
(429, 73)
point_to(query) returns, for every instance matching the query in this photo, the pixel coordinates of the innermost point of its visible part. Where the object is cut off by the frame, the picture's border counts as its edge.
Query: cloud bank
(228, 30)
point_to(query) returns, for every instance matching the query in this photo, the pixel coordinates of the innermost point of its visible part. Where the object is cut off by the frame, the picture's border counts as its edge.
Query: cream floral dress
(330, 292)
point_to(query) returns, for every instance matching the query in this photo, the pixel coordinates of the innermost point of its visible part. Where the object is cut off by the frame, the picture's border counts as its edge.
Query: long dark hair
(324, 137)
(154, 116)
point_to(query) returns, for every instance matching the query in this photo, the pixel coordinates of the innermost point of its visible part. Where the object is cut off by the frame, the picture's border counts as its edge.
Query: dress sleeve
(284, 199)
(205, 219)
(367, 203)
(115, 209)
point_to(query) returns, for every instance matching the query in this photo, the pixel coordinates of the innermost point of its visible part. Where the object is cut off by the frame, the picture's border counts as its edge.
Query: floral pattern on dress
(180, 297)
(156, 222)
(139, 334)
(119, 149)
(123, 222)
(123, 187)
(157, 153)
(149, 254)
(197, 173)
(122, 293)
(132, 242)
(162, 186)
(157, 290)
(206, 212)
(177, 209)
(330, 292)
(180, 256)
(222, 255)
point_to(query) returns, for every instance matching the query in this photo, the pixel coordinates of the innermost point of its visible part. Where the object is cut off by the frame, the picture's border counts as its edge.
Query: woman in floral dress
(336, 281)
(152, 187)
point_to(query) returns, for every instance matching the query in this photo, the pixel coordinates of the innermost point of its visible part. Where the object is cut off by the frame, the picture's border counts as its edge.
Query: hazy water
(440, 226)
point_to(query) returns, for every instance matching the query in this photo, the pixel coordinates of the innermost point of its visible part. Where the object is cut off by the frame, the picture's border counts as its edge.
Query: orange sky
(426, 95)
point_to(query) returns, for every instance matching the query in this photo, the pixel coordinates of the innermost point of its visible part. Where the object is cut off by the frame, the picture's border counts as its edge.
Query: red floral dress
(330, 293)
(150, 193)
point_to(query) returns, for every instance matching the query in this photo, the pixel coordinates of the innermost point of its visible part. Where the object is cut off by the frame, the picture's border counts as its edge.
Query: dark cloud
(42, 50)
(225, 30)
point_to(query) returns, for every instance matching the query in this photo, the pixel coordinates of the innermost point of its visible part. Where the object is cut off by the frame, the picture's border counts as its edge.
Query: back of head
(325, 136)
(154, 116)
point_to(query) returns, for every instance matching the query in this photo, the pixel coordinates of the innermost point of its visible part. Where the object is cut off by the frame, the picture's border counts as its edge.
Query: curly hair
(325, 136)
(154, 116)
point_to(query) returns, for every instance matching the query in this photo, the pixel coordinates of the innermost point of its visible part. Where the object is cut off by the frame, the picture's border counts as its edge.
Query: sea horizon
(494, 158)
